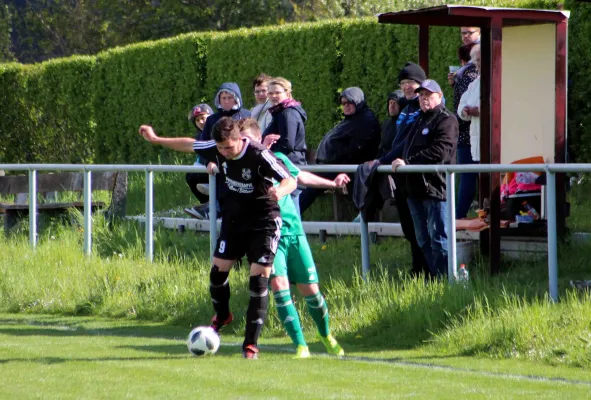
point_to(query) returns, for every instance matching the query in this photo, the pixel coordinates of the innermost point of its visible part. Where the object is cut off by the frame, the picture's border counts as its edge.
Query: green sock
(289, 317)
(319, 312)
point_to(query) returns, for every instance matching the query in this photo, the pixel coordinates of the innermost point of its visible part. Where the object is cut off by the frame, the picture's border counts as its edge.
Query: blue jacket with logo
(405, 120)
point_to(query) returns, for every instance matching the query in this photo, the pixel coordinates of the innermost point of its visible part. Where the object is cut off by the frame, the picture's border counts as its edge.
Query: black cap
(430, 85)
(396, 95)
(413, 72)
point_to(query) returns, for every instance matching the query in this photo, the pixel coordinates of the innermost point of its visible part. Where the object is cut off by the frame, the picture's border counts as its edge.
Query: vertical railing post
(552, 242)
(149, 215)
(87, 212)
(451, 227)
(33, 208)
(364, 246)
(213, 215)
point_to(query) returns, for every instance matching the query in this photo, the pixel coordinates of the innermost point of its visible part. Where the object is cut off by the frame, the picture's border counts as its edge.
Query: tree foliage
(43, 29)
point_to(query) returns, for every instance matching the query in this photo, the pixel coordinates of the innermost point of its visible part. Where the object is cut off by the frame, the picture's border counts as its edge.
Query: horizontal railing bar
(482, 168)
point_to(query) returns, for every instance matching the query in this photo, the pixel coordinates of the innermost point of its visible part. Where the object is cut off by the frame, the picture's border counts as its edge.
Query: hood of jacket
(234, 90)
(289, 103)
(355, 96)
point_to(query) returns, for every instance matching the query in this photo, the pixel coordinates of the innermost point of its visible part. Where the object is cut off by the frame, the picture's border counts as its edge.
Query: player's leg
(260, 254)
(256, 313)
(228, 250)
(219, 289)
(286, 310)
(302, 270)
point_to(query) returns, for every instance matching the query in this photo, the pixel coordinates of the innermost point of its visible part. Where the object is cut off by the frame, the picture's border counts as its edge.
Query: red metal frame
(424, 47)
(491, 21)
(495, 141)
(561, 118)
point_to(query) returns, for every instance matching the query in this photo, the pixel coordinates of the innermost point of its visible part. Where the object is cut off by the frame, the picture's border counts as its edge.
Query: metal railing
(449, 170)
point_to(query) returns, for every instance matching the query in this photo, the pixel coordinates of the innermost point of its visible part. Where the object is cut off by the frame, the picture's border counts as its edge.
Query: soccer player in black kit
(251, 221)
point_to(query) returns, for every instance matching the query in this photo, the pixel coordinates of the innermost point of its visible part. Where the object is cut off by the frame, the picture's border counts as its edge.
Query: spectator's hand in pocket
(212, 168)
(397, 163)
(270, 140)
(341, 180)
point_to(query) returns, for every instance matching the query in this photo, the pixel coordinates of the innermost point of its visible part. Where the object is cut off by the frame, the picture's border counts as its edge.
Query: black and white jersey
(248, 178)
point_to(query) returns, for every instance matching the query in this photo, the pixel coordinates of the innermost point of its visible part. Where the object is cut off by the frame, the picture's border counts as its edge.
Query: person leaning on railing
(431, 140)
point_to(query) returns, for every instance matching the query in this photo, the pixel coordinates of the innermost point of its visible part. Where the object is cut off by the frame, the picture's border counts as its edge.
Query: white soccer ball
(203, 340)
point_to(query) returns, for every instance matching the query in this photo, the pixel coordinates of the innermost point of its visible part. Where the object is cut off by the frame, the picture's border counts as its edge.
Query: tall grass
(496, 316)
(507, 315)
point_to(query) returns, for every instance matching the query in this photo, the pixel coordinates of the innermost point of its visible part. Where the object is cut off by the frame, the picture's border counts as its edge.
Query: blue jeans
(429, 219)
(467, 182)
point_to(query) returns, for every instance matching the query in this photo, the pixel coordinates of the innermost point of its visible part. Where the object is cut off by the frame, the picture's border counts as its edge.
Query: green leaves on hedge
(88, 109)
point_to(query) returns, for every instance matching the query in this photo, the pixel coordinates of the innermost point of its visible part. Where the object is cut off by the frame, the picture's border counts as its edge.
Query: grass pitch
(51, 357)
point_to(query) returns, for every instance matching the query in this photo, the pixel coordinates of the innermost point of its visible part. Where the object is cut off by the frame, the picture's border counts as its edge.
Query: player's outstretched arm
(184, 144)
(286, 186)
(311, 180)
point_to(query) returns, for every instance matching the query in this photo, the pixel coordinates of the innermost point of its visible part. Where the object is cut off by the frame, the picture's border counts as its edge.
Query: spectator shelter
(523, 92)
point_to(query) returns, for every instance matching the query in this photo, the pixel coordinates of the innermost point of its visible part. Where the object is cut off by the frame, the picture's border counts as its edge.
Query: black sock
(219, 288)
(257, 309)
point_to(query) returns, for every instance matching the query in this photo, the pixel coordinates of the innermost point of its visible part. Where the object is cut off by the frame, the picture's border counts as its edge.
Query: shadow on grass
(66, 328)
(61, 360)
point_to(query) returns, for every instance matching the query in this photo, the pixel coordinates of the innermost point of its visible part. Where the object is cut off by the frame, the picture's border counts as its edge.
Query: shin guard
(257, 309)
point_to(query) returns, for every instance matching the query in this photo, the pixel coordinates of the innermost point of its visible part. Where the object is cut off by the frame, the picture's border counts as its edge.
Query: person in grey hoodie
(228, 102)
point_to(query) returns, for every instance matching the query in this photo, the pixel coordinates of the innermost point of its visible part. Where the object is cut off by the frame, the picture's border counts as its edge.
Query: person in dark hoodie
(286, 132)
(198, 115)
(354, 140)
(409, 79)
(228, 102)
(287, 125)
(432, 140)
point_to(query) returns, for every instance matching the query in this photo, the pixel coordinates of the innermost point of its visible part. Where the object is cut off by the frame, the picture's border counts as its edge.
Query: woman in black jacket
(354, 140)
(286, 130)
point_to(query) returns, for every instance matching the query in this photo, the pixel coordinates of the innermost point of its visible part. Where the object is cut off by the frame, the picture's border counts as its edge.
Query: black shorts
(259, 245)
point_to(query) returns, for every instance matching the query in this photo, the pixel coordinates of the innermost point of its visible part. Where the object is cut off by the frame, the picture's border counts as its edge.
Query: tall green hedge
(88, 109)
(155, 83)
(46, 111)
(372, 55)
(305, 54)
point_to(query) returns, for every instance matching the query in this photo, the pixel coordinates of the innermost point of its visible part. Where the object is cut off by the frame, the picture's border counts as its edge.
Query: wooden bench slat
(50, 206)
(66, 181)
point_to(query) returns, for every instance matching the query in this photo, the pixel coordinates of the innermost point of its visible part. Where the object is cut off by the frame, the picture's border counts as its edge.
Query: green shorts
(294, 260)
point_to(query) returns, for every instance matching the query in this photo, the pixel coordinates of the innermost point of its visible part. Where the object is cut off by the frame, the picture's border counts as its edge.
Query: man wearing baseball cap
(431, 140)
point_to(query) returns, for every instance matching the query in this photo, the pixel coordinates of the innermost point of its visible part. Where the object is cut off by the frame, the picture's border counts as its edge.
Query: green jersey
(292, 224)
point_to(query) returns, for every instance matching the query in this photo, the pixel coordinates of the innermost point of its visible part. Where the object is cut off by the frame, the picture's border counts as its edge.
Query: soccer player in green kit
(294, 262)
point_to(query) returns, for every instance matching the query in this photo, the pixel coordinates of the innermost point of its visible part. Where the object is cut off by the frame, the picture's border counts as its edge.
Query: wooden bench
(49, 184)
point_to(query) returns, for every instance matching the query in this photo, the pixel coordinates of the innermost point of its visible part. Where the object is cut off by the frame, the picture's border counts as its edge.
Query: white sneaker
(203, 188)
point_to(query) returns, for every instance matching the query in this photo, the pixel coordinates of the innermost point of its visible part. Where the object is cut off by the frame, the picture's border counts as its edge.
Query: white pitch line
(534, 378)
